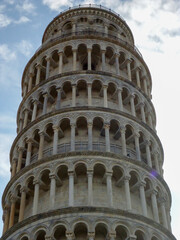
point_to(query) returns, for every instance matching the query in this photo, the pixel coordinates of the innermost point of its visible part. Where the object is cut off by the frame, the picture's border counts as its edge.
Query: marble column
(150, 120)
(145, 85)
(36, 197)
(20, 124)
(73, 126)
(143, 198)
(35, 104)
(133, 112)
(14, 163)
(30, 81)
(52, 191)
(163, 212)
(117, 63)
(22, 203)
(6, 219)
(20, 150)
(127, 192)
(120, 102)
(156, 160)
(55, 139)
(74, 59)
(154, 205)
(142, 112)
(29, 149)
(58, 100)
(73, 95)
(138, 77)
(12, 211)
(60, 62)
(89, 85)
(41, 145)
(107, 138)
(26, 111)
(89, 58)
(47, 66)
(90, 187)
(148, 153)
(129, 69)
(109, 189)
(71, 188)
(90, 144)
(138, 153)
(123, 140)
(45, 103)
(103, 60)
(38, 74)
(105, 87)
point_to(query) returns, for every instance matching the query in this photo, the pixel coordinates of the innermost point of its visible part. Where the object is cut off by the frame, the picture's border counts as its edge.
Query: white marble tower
(86, 162)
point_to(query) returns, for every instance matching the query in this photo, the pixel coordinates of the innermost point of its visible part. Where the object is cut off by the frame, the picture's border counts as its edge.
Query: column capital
(154, 192)
(13, 198)
(127, 177)
(24, 189)
(48, 57)
(119, 89)
(36, 181)
(91, 234)
(128, 60)
(112, 235)
(55, 128)
(41, 133)
(147, 142)
(136, 133)
(69, 235)
(89, 49)
(116, 54)
(45, 94)
(90, 172)
(105, 86)
(58, 88)
(107, 125)
(60, 52)
(132, 95)
(29, 140)
(122, 129)
(109, 174)
(90, 123)
(142, 183)
(31, 74)
(52, 176)
(71, 173)
(74, 49)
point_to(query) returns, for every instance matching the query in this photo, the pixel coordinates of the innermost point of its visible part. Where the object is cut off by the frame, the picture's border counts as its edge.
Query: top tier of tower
(81, 19)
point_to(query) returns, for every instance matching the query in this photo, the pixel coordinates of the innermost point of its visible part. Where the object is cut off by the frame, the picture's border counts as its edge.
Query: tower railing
(83, 146)
(92, 33)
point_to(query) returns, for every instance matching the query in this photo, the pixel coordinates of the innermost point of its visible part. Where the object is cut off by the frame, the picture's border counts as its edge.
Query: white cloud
(25, 47)
(4, 20)
(26, 6)
(57, 4)
(5, 144)
(22, 19)
(6, 54)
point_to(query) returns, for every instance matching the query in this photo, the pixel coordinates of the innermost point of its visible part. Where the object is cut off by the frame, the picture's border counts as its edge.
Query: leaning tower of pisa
(86, 162)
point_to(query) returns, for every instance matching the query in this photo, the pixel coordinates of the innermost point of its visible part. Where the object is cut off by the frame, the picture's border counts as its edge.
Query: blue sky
(156, 28)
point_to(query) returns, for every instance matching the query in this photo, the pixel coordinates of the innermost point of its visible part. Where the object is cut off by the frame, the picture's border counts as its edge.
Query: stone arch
(140, 234)
(101, 230)
(59, 231)
(82, 56)
(122, 232)
(81, 230)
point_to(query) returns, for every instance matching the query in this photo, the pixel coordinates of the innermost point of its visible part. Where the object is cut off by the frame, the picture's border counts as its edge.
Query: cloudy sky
(156, 28)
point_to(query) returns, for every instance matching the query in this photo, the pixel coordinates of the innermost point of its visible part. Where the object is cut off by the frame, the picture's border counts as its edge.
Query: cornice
(84, 210)
(88, 109)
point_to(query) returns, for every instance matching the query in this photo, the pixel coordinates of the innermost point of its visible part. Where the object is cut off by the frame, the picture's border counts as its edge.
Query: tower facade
(86, 162)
